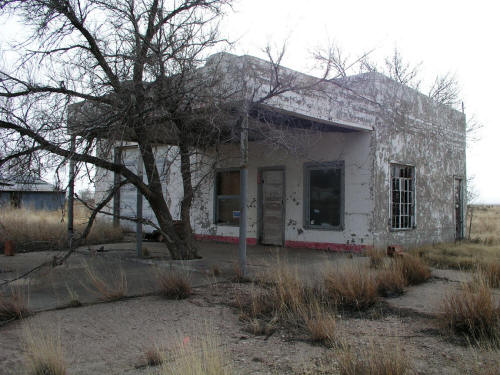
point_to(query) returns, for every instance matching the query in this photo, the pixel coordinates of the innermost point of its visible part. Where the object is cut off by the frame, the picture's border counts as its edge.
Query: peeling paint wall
(408, 129)
(413, 130)
(352, 148)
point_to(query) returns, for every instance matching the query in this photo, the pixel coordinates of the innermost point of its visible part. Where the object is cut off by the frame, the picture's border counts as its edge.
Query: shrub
(472, 311)
(13, 305)
(321, 324)
(110, 287)
(44, 354)
(153, 357)
(205, 356)
(390, 280)
(376, 256)
(414, 270)
(35, 230)
(352, 287)
(372, 361)
(174, 284)
(491, 272)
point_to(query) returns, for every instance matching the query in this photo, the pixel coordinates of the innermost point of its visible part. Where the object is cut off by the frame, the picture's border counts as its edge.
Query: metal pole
(243, 194)
(71, 192)
(116, 181)
(138, 230)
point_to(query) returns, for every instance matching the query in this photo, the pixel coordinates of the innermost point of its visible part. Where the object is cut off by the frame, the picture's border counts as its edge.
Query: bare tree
(129, 72)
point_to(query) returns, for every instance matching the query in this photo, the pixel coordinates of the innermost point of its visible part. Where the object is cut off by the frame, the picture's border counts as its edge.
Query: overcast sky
(460, 37)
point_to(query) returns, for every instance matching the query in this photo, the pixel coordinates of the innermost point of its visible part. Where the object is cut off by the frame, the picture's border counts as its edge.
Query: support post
(71, 192)
(138, 230)
(243, 194)
(116, 181)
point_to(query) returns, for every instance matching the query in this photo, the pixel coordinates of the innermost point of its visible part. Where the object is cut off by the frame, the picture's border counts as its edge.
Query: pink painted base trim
(225, 239)
(326, 246)
(295, 244)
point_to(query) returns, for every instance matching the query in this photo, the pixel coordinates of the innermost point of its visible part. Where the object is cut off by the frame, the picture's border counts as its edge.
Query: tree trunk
(178, 247)
(187, 199)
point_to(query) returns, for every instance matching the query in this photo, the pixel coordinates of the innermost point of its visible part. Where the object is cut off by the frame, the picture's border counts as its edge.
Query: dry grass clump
(352, 287)
(491, 272)
(206, 356)
(285, 297)
(154, 357)
(377, 257)
(375, 360)
(174, 284)
(321, 324)
(110, 286)
(13, 304)
(472, 312)
(391, 280)
(485, 226)
(414, 270)
(44, 355)
(35, 230)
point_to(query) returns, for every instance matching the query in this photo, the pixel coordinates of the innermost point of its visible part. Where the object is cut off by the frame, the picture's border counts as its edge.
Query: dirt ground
(111, 338)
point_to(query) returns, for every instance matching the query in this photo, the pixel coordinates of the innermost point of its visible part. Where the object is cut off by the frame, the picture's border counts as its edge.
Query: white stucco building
(370, 163)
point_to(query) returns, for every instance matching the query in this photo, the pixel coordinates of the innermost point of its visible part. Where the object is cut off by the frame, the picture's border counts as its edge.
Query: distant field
(47, 230)
(482, 246)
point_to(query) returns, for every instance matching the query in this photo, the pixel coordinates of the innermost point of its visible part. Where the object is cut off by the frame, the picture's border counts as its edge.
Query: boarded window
(227, 194)
(402, 197)
(324, 195)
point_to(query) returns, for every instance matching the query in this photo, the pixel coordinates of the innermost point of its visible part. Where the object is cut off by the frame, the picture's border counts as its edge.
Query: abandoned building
(367, 162)
(30, 193)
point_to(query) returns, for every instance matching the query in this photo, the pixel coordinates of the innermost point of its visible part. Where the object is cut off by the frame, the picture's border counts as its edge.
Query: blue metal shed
(29, 192)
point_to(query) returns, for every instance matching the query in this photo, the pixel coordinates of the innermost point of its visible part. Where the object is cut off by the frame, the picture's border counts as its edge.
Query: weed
(376, 256)
(372, 361)
(44, 354)
(204, 356)
(111, 287)
(153, 357)
(414, 270)
(390, 280)
(174, 284)
(13, 305)
(352, 287)
(321, 324)
(491, 272)
(472, 311)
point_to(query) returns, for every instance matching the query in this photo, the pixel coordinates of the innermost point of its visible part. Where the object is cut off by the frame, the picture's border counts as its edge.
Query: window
(227, 197)
(324, 195)
(402, 197)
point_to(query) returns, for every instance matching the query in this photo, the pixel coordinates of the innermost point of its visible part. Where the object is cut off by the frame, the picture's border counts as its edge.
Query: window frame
(339, 164)
(217, 197)
(413, 217)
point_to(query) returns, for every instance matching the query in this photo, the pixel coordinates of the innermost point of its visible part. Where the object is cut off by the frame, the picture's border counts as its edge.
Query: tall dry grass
(44, 354)
(13, 304)
(473, 311)
(374, 360)
(199, 356)
(33, 230)
(485, 226)
(483, 248)
(352, 287)
(109, 285)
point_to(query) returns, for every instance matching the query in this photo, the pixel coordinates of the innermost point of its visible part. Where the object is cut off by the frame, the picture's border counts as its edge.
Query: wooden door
(272, 209)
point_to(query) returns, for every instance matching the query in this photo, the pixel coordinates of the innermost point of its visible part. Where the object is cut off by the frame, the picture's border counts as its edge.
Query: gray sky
(458, 36)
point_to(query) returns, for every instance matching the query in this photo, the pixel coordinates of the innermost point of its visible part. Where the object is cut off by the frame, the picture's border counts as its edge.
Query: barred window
(402, 197)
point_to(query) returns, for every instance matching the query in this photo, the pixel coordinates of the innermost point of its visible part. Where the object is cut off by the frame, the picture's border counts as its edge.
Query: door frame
(460, 181)
(260, 219)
